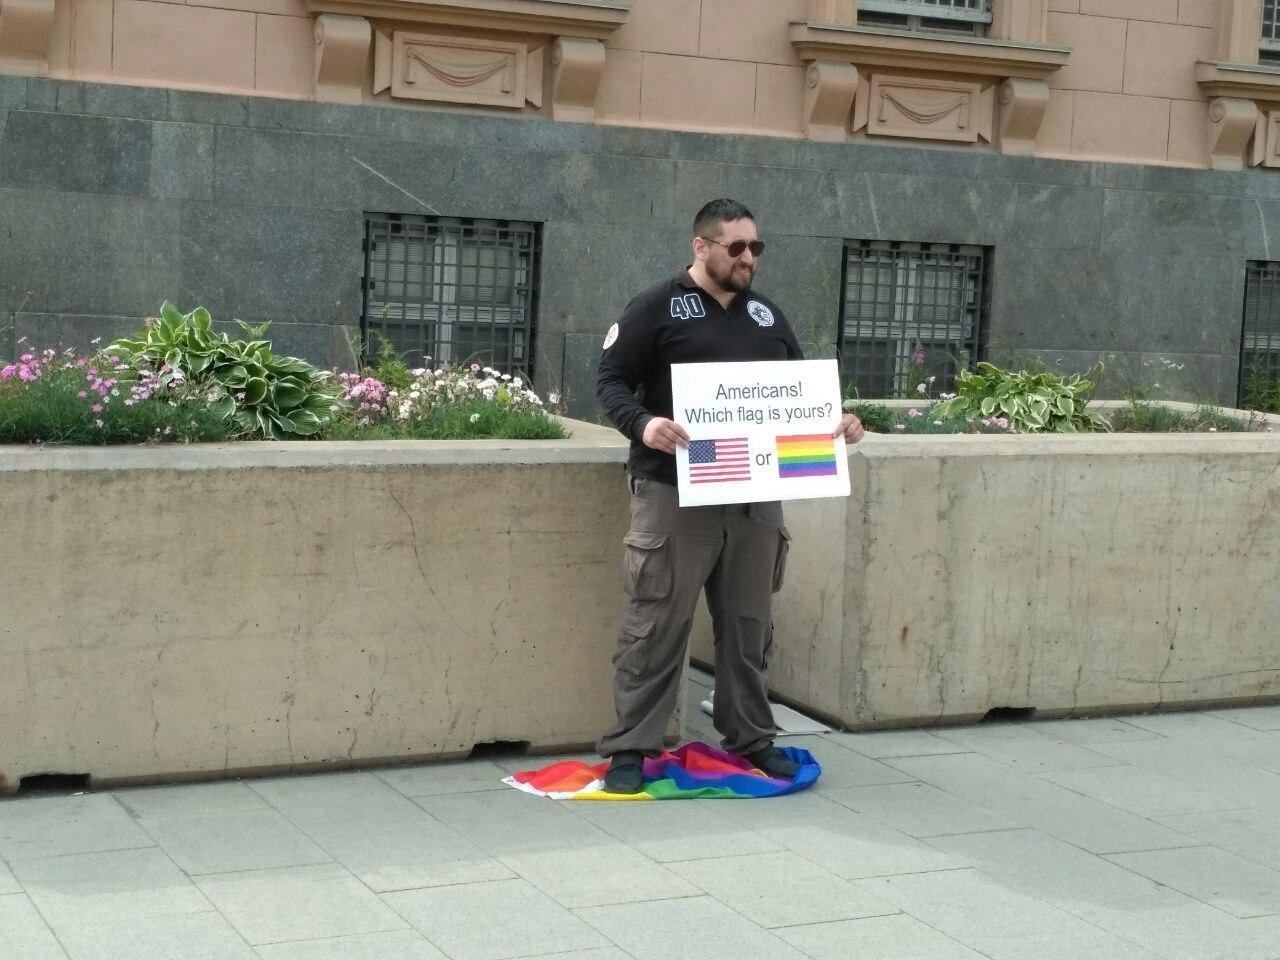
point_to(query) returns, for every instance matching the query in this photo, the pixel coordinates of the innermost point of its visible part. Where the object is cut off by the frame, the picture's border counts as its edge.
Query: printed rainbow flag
(806, 455)
(694, 770)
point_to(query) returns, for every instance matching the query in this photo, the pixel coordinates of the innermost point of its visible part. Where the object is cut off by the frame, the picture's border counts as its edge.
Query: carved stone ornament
(26, 28)
(829, 93)
(342, 58)
(925, 108)
(458, 70)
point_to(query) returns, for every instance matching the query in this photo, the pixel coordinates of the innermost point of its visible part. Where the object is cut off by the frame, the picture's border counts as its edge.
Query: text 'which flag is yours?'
(759, 431)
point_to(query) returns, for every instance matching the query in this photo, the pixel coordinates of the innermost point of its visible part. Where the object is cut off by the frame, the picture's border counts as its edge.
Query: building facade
(939, 181)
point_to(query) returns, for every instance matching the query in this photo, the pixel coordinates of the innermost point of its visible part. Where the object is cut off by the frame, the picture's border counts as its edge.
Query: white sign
(759, 431)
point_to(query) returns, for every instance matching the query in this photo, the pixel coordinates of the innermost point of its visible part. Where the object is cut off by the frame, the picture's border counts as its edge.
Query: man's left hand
(851, 427)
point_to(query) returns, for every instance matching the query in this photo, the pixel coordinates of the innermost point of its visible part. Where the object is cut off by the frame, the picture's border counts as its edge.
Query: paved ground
(1147, 837)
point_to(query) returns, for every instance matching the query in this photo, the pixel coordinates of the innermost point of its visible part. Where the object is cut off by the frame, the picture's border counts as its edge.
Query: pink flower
(914, 413)
(96, 408)
(82, 394)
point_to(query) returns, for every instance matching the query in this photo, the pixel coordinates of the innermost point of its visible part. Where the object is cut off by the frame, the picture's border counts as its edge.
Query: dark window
(911, 311)
(948, 16)
(454, 290)
(1269, 51)
(1260, 335)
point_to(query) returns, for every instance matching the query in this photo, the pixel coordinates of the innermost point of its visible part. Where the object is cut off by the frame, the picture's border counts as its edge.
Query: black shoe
(774, 762)
(626, 772)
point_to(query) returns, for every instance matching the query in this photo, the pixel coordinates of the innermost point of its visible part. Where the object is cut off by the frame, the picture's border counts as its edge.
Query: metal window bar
(963, 16)
(451, 290)
(1270, 42)
(911, 311)
(1260, 332)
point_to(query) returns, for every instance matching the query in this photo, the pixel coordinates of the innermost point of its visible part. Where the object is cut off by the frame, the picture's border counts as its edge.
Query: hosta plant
(245, 382)
(1039, 402)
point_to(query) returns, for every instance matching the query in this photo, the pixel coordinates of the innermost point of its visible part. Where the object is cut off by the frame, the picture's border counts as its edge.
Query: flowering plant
(60, 397)
(261, 393)
(461, 386)
(1031, 402)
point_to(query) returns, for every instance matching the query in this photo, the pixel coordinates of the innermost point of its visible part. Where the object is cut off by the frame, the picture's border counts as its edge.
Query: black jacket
(677, 322)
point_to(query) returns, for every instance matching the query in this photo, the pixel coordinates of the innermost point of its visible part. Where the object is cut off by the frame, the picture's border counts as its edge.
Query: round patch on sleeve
(611, 337)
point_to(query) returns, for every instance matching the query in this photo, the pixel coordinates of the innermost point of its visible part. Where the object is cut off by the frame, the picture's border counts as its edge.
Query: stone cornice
(590, 19)
(878, 47)
(1242, 81)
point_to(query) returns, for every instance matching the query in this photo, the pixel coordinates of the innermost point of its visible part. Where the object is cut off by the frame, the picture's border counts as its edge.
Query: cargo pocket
(780, 562)
(633, 643)
(647, 566)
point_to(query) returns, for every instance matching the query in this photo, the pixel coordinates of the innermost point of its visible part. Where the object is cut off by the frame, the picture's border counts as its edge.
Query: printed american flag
(718, 461)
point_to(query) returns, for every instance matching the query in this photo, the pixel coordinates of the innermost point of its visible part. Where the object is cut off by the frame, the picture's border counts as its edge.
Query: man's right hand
(665, 435)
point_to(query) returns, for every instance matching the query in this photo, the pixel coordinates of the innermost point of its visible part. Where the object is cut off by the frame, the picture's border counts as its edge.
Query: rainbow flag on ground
(807, 455)
(694, 770)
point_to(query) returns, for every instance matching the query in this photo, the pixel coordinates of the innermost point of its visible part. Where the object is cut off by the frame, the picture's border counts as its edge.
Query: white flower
(475, 418)
(931, 379)
(1213, 429)
(899, 426)
(921, 388)
(553, 397)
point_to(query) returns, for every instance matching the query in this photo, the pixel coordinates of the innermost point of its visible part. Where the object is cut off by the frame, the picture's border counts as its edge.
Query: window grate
(950, 16)
(450, 289)
(1270, 41)
(911, 311)
(1260, 333)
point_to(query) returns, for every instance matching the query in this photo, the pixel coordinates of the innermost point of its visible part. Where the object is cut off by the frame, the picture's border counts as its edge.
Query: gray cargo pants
(738, 553)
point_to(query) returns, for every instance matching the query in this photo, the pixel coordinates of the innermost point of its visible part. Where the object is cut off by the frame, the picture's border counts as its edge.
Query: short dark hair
(718, 212)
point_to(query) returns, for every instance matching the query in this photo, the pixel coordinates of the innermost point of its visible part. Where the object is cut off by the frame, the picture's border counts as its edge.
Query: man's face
(731, 273)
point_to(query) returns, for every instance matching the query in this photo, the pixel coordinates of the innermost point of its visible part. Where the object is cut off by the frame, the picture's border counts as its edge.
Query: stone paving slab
(1233, 884)
(1086, 822)
(598, 876)
(668, 832)
(1134, 838)
(1145, 793)
(8, 883)
(921, 810)
(117, 885)
(899, 936)
(1250, 833)
(193, 936)
(298, 903)
(780, 889)
(228, 842)
(998, 921)
(400, 945)
(1104, 894)
(58, 826)
(494, 921)
(23, 932)
(699, 927)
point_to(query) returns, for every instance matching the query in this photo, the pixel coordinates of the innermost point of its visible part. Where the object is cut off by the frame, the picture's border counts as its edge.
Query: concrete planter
(195, 611)
(1071, 575)
(207, 610)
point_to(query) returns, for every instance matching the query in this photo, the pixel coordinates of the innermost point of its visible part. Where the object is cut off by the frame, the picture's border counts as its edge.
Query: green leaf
(286, 395)
(224, 406)
(201, 321)
(988, 406)
(255, 390)
(304, 422)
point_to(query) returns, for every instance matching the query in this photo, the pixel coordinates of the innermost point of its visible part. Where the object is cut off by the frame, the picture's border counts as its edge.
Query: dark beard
(731, 281)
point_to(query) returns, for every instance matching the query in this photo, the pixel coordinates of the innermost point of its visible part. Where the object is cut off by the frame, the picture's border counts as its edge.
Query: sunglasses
(739, 247)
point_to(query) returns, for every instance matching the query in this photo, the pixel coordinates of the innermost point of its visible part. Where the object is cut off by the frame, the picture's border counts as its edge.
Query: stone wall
(114, 198)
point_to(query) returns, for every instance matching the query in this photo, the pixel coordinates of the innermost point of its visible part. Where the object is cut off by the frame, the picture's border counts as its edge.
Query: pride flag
(806, 455)
(695, 770)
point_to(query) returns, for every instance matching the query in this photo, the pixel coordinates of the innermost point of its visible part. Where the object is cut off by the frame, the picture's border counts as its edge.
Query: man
(708, 313)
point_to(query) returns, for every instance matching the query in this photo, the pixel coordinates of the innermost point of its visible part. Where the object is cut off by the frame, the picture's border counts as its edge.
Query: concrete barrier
(168, 612)
(1066, 574)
